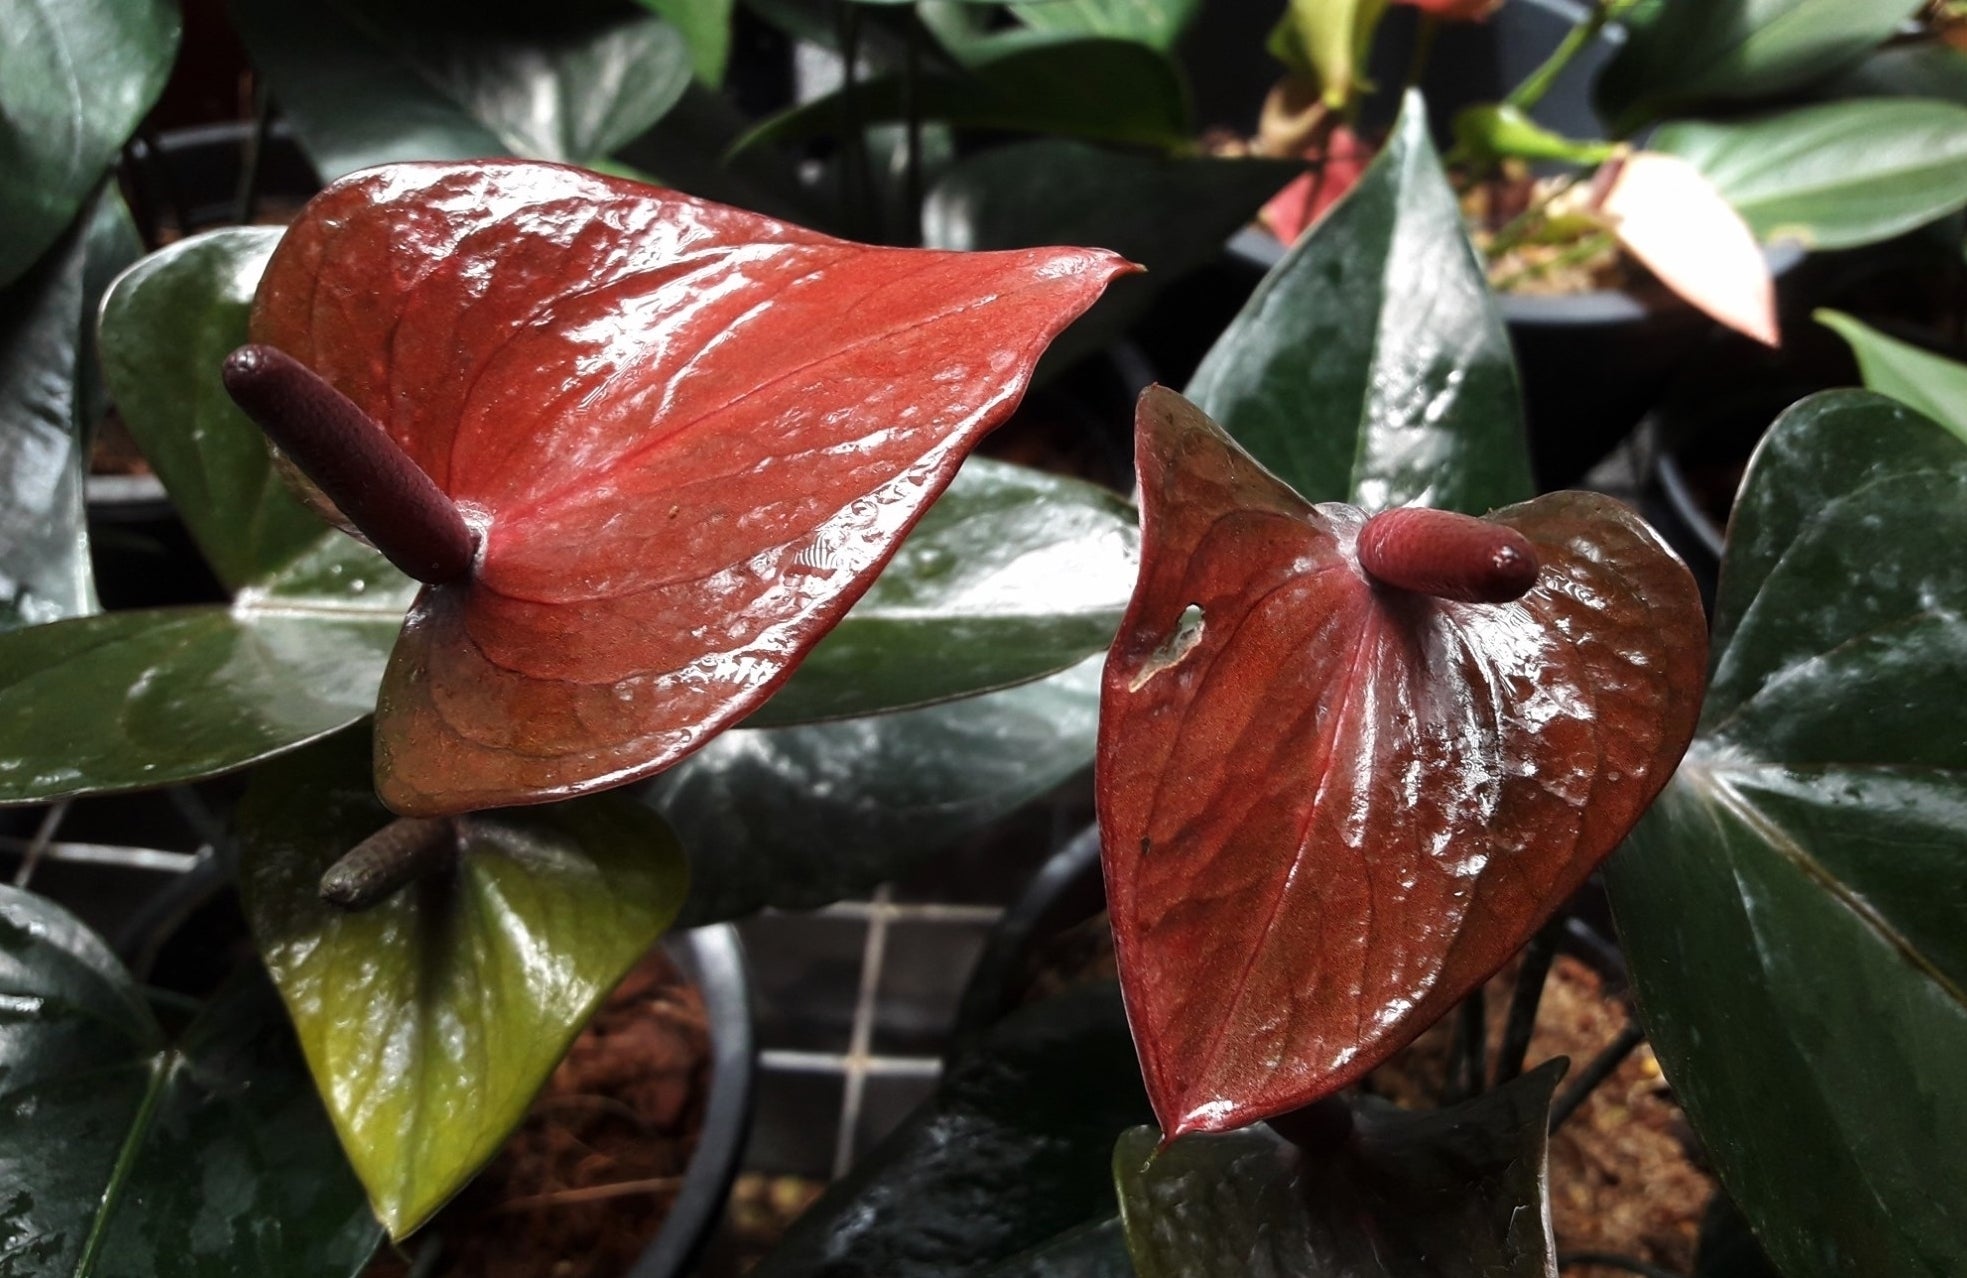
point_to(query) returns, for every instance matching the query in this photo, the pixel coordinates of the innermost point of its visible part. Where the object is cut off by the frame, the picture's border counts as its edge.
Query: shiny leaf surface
(799, 817)
(1923, 382)
(1790, 907)
(1327, 809)
(1692, 51)
(1096, 1250)
(367, 82)
(691, 437)
(1833, 176)
(127, 1154)
(49, 398)
(1668, 216)
(1450, 1193)
(1169, 214)
(1013, 1148)
(166, 327)
(706, 27)
(431, 1019)
(1158, 23)
(129, 700)
(1100, 90)
(1341, 386)
(75, 78)
(1012, 575)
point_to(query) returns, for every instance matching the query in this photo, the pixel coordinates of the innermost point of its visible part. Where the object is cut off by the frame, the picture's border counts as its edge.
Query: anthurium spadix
(1348, 764)
(655, 446)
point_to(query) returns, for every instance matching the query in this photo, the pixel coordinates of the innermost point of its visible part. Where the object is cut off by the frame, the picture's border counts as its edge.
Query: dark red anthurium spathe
(685, 438)
(1331, 806)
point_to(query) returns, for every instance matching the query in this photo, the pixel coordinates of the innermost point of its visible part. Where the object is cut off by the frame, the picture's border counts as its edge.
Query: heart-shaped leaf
(798, 817)
(1329, 809)
(690, 436)
(1833, 176)
(1156, 23)
(1923, 382)
(75, 77)
(430, 1019)
(1012, 575)
(49, 400)
(367, 82)
(705, 26)
(1688, 51)
(1012, 1149)
(1791, 906)
(129, 1154)
(1333, 379)
(1448, 1193)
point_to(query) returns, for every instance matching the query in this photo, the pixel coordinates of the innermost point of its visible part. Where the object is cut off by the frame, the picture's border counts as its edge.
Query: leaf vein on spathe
(1716, 788)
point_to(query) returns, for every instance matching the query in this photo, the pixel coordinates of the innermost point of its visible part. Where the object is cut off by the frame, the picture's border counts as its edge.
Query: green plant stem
(1423, 50)
(1596, 1071)
(912, 135)
(1519, 228)
(1531, 91)
(1585, 249)
(855, 178)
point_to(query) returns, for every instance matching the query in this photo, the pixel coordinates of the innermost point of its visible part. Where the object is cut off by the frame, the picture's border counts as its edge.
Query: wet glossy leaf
(1342, 387)
(368, 82)
(166, 327)
(1012, 575)
(1450, 1193)
(431, 1019)
(1158, 23)
(1169, 214)
(799, 817)
(49, 399)
(1693, 51)
(75, 77)
(706, 437)
(1329, 810)
(1097, 89)
(1095, 1250)
(129, 1155)
(129, 700)
(1790, 907)
(1923, 382)
(1834, 176)
(706, 27)
(1668, 216)
(1013, 1149)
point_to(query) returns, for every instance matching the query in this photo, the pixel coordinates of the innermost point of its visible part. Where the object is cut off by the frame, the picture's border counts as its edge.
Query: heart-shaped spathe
(1330, 809)
(687, 437)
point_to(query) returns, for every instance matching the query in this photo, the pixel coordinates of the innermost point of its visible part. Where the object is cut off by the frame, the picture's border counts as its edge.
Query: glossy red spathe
(687, 438)
(1329, 809)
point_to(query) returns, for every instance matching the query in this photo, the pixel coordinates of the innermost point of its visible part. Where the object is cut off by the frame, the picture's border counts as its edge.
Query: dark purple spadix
(354, 461)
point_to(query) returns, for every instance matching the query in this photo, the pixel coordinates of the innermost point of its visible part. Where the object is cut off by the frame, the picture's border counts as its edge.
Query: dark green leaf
(129, 1156)
(166, 327)
(1727, 1246)
(1834, 176)
(1158, 23)
(1922, 69)
(798, 817)
(48, 404)
(431, 1019)
(75, 77)
(1451, 1193)
(367, 82)
(706, 27)
(1012, 1149)
(1343, 386)
(1923, 382)
(1012, 575)
(1094, 1250)
(1690, 51)
(128, 700)
(1103, 90)
(1169, 214)
(1791, 906)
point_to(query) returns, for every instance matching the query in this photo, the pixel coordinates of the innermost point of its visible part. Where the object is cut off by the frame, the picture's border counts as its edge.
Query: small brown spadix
(361, 469)
(392, 858)
(1447, 555)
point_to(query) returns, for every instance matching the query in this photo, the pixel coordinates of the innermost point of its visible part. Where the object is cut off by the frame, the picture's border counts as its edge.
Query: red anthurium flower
(1348, 765)
(683, 437)
(1456, 10)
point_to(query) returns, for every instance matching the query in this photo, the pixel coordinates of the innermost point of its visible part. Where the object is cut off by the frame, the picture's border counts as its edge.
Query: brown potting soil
(588, 1178)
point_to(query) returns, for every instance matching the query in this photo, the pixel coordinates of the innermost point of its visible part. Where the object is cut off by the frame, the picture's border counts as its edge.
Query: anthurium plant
(598, 555)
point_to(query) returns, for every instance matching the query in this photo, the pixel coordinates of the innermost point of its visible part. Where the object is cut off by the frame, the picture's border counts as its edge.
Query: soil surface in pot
(588, 1178)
